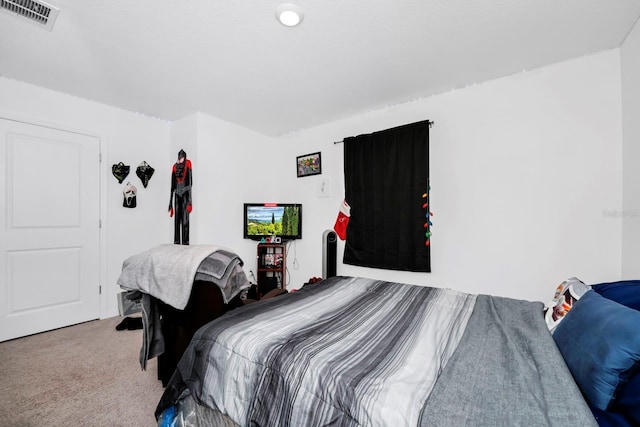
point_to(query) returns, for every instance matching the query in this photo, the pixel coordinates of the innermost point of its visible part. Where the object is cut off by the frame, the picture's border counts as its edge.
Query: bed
(356, 351)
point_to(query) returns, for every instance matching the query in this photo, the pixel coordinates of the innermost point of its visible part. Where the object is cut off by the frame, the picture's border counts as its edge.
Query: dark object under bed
(178, 326)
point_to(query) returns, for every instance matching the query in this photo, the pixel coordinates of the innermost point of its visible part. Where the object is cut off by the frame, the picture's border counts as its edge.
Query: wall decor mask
(144, 172)
(120, 171)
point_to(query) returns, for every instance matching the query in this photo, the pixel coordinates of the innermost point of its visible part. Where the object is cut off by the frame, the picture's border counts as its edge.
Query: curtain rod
(428, 121)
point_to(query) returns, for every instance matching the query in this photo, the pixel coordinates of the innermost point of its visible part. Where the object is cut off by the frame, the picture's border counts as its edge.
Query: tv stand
(272, 267)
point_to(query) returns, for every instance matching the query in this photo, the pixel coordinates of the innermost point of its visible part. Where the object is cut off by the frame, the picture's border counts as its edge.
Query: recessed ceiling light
(289, 14)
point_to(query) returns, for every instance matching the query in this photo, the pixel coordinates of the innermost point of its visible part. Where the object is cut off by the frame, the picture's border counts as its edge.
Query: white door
(49, 228)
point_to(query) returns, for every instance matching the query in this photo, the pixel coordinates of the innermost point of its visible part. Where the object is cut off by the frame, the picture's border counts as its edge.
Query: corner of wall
(630, 88)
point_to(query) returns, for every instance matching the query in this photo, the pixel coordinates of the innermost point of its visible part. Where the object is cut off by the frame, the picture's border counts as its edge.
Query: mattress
(361, 352)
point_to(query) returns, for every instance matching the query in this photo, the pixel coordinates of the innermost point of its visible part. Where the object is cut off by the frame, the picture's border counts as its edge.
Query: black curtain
(386, 178)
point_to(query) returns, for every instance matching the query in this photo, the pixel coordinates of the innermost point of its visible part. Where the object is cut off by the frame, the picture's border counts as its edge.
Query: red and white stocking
(342, 221)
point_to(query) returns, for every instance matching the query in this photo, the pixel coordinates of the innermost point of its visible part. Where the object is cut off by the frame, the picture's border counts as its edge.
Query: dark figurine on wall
(181, 181)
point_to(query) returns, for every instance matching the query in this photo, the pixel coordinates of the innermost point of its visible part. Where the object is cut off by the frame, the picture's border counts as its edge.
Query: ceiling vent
(37, 12)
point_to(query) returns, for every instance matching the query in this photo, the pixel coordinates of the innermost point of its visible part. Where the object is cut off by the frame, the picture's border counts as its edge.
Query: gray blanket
(167, 273)
(224, 268)
(353, 352)
(506, 371)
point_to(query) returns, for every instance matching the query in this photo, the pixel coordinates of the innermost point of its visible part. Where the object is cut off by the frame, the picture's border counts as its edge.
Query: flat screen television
(262, 220)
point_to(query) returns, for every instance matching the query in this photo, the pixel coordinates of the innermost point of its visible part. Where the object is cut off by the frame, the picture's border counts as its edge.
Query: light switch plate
(324, 187)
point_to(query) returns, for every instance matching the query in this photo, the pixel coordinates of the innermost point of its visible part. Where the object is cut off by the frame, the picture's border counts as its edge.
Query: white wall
(525, 173)
(235, 165)
(630, 64)
(526, 176)
(125, 136)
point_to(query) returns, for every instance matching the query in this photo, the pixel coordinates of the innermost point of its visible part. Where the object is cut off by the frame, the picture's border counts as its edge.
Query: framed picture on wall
(309, 164)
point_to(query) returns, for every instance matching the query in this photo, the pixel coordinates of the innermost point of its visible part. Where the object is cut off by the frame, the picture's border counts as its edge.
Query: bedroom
(533, 176)
(486, 207)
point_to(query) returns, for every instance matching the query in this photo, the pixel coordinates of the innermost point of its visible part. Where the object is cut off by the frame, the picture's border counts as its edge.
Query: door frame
(102, 240)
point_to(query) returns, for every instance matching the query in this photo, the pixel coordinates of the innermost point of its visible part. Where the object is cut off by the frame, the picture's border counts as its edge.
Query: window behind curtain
(386, 175)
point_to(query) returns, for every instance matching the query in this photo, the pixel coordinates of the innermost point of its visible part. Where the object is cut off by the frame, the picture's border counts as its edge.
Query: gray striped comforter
(360, 352)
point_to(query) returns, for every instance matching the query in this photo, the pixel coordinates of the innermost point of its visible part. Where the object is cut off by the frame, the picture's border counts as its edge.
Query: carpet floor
(83, 375)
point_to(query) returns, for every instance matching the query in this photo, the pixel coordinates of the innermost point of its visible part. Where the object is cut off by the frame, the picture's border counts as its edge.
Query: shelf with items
(271, 267)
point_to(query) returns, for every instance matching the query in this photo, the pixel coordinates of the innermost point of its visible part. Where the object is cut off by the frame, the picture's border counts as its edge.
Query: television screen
(262, 220)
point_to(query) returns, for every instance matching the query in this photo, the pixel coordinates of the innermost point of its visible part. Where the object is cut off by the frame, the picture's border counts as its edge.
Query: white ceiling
(233, 60)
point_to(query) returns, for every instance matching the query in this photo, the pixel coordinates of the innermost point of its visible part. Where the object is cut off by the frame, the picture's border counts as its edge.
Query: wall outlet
(324, 187)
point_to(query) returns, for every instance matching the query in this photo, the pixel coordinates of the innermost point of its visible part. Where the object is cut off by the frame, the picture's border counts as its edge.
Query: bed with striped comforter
(361, 352)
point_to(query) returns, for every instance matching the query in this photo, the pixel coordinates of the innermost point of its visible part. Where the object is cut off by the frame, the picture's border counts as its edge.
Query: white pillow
(566, 294)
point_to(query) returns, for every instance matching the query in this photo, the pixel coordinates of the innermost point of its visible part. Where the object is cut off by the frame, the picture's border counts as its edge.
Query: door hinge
(100, 157)
(100, 223)
(99, 289)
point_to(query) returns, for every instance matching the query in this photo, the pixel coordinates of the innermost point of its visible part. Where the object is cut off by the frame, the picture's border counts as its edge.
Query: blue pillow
(626, 292)
(600, 343)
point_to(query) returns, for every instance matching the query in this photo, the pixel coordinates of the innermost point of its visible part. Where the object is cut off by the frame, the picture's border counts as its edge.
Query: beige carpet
(83, 375)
